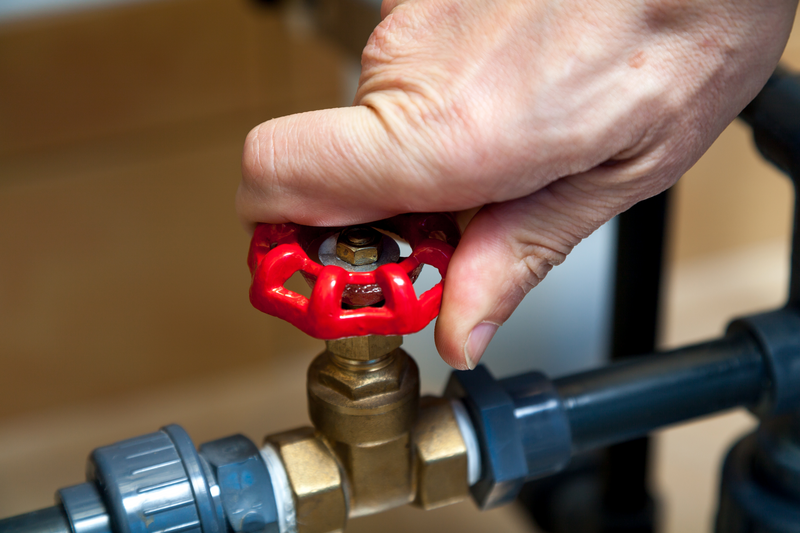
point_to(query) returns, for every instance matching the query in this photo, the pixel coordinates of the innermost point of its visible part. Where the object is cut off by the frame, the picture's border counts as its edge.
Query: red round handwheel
(277, 251)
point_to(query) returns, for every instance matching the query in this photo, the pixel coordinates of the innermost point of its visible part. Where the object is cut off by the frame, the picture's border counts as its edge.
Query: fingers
(361, 163)
(331, 167)
(508, 248)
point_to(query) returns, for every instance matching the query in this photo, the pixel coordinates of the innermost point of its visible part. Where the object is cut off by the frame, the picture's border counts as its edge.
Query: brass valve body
(365, 410)
(388, 447)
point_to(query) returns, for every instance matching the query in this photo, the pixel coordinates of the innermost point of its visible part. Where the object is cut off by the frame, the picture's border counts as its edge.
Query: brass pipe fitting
(314, 478)
(375, 445)
(441, 455)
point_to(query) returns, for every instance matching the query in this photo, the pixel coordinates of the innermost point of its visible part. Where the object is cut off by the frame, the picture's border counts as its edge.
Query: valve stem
(364, 353)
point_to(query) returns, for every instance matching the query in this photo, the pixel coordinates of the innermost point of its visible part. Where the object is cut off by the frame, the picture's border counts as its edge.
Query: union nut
(441, 455)
(359, 245)
(245, 485)
(315, 480)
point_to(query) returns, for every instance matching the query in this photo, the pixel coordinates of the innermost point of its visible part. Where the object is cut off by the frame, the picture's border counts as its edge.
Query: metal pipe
(49, 520)
(630, 399)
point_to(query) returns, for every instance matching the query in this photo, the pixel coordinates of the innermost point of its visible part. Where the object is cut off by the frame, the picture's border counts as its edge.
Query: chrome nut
(245, 485)
(359, 245)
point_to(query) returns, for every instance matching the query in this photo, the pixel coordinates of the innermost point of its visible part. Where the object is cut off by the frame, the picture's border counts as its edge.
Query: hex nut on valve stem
(359, 245)
(366, 348)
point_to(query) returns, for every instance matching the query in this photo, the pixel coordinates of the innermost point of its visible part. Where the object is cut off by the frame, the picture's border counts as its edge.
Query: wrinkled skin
(552, 116)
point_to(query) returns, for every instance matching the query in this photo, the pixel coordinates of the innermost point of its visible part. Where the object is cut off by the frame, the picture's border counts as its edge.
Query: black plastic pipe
(49, 520)
(529, 427)
(629, 399)
(626, 504)
(774, 115)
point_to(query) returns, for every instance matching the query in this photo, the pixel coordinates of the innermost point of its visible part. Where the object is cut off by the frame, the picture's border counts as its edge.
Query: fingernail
(477, 342)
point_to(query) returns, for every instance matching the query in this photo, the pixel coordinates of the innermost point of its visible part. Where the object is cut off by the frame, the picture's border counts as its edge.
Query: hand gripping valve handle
(352, 294)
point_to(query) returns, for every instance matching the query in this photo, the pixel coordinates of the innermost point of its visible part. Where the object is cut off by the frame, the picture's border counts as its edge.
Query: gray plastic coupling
(157, 482)
(776, 334)
(522, 429)
(246, 485)
(85, 509)
(160, 483)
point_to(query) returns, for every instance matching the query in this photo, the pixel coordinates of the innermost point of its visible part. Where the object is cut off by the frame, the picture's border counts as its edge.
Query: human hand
(552, 116)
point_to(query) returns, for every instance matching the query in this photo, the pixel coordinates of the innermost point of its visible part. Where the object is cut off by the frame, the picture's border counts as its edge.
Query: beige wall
(122, 264)
(731, 197)
(121, 261)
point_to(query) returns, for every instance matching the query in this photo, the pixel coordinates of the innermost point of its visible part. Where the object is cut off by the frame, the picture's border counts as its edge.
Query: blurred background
(123, 284)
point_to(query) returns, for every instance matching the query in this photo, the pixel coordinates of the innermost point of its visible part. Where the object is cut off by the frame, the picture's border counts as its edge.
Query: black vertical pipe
(626, 504)
(607, 491)
(774, 115)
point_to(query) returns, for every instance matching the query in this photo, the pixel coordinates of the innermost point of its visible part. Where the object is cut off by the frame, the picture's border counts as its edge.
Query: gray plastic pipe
(50, 520)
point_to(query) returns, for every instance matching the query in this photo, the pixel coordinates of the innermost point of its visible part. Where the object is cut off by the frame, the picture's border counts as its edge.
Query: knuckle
(537, 260)
(379, 46)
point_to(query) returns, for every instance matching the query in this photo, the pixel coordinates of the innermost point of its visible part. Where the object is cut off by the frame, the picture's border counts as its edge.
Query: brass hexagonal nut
(366, 348)
(357, 255)
(359, 245)
(360, 385)
(315, 479)
(441, 455)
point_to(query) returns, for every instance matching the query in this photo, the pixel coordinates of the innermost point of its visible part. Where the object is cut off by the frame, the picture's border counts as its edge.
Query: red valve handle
(277, 251)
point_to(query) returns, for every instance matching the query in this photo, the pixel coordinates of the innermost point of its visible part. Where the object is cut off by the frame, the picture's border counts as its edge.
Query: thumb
(507, 249)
